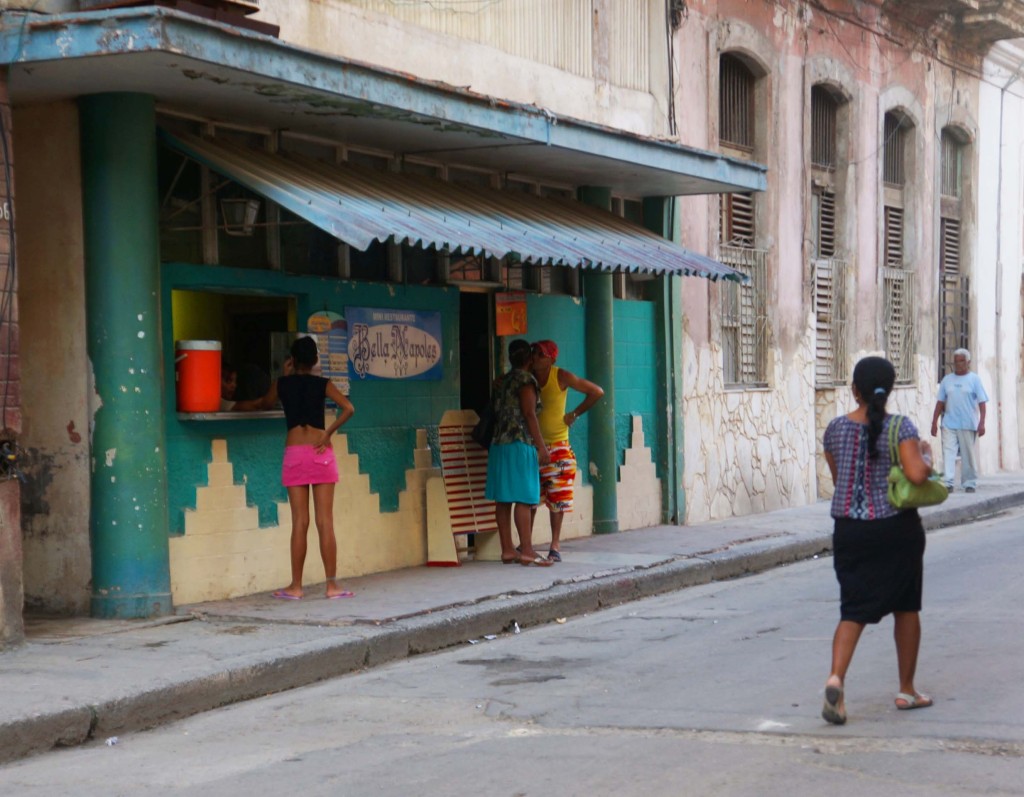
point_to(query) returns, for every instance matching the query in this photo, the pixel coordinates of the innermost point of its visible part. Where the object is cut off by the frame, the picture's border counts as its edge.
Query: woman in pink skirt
(309, 460)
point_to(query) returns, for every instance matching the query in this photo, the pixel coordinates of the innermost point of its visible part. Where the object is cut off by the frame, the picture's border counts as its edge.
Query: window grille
(898, 324)
(893, 166)
(954, 319)
(824, 112)
(830, 305)
(953, 296)
(745, 318)
(893, 237)
(736, 227)
(952, 165)
(735, 103)
(824, 220)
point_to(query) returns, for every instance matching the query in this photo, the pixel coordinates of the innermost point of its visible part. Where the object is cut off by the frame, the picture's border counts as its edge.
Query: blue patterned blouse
(861, 483)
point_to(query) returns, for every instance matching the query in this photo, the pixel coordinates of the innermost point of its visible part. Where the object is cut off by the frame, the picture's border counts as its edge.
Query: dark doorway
(475, 350)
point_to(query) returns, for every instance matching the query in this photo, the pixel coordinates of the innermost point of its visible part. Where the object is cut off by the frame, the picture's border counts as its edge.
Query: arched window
(899, 306)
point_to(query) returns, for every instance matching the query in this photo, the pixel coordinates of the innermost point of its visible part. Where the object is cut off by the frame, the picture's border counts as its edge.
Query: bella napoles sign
(393, 344)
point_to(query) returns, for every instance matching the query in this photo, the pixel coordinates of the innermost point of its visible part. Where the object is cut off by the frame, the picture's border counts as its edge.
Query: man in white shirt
(961, 406)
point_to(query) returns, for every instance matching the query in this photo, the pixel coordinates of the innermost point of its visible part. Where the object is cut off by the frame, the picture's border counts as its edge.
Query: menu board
(330, 332)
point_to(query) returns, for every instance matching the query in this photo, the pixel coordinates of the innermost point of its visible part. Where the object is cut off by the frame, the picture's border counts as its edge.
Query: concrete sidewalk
(79, 679)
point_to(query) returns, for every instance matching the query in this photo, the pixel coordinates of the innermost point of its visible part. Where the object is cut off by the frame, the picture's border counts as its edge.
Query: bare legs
(556, 527)
(323, 507)
(907, 634)
(523, 515)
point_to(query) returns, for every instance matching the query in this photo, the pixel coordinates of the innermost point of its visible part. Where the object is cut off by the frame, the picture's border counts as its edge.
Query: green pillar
(600, 332)
(660, 217)
(128, 523)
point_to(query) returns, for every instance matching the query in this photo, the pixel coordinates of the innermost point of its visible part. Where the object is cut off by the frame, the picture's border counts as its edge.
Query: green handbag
(903, 493)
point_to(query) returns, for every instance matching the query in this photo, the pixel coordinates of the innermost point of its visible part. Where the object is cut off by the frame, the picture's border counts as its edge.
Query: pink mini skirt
(303, 465)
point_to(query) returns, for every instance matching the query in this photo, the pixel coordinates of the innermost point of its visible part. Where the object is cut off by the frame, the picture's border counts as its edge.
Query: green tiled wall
(636, 374)
(383, 431)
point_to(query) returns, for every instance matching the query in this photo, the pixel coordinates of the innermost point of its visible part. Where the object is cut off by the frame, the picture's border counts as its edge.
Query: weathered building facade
(829, 152)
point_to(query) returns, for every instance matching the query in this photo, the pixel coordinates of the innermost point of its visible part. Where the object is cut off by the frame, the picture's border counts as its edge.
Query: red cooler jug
(197, 375)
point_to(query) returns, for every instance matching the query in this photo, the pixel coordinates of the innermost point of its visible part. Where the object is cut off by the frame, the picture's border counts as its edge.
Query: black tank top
(303, 396)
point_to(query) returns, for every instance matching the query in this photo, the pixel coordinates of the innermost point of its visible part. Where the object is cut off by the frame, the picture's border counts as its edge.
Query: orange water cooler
(197, 375)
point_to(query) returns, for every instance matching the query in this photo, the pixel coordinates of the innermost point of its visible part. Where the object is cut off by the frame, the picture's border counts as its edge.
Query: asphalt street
(712, 690)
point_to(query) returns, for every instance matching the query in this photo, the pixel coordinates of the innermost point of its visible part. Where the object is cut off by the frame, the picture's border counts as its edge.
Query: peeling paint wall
(55, 501)
(602, 88)
(760, 449)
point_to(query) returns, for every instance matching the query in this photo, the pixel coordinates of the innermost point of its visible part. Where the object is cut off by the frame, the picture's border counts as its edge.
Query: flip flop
(345, 594)
(537, 561)
(280, 594)
(511, 561)
(831, 712)
(913, 701)
(555, 556)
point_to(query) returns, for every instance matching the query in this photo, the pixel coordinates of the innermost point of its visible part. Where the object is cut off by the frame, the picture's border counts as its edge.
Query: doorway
(476, 349)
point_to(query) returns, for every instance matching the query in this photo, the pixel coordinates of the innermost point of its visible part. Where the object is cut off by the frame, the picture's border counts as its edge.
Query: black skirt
(879, 565)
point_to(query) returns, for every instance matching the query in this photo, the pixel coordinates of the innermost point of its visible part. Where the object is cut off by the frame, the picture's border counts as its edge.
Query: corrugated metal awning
(360, 206)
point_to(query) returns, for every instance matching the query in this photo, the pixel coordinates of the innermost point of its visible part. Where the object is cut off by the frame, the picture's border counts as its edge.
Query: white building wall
(998, 290)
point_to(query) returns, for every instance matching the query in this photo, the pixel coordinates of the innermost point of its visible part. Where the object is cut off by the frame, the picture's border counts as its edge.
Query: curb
(323, 659)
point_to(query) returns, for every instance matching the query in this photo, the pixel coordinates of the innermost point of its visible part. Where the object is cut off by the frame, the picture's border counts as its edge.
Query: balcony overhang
(227, 74)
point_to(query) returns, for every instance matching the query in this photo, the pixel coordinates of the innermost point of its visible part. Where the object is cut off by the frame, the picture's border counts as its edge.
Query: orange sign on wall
(510, 313)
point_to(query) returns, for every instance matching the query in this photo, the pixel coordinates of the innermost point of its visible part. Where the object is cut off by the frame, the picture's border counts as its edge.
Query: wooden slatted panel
(826, 224)
(899, 310)
(464, 469)
(949, 247)
(893, 220)
(737, 226)
(830, 276)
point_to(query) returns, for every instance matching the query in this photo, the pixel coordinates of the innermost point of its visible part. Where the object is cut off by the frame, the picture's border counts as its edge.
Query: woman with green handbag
(878, 549)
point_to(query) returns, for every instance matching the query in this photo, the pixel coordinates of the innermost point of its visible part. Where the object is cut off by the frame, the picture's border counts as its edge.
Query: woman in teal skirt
(517, 450)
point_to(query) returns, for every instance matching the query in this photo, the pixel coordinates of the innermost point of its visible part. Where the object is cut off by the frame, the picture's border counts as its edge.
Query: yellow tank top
(552, 412)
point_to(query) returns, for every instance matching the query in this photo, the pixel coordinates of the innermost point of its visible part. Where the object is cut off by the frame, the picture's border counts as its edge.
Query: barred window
(899, 312)
(824, 115)
(745, 318)
(893, 169)
(735, 103)
(952, 165)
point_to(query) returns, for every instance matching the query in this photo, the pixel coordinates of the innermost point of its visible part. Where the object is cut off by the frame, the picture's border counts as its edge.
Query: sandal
(831, 712)
(537, 561)
(511, 560)
(916, 700)
(555, 555)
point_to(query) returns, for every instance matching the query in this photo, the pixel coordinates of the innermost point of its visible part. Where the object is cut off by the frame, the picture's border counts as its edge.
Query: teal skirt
(513, 476)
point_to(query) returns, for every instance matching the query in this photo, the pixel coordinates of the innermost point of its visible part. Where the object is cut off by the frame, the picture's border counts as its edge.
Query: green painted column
(600, 332)
(128, 519)
(660, 217)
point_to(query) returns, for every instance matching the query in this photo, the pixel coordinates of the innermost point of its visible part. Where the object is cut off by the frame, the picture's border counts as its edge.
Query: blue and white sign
(393, 344)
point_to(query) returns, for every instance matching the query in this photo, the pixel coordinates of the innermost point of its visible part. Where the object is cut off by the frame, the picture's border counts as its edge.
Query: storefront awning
(359, 206)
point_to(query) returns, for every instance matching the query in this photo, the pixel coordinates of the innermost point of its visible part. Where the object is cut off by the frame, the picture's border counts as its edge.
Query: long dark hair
(874, 377)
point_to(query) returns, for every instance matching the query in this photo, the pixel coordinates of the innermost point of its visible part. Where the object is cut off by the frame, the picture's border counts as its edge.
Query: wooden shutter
(737, 224)
(893, 232)
(949, 247)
